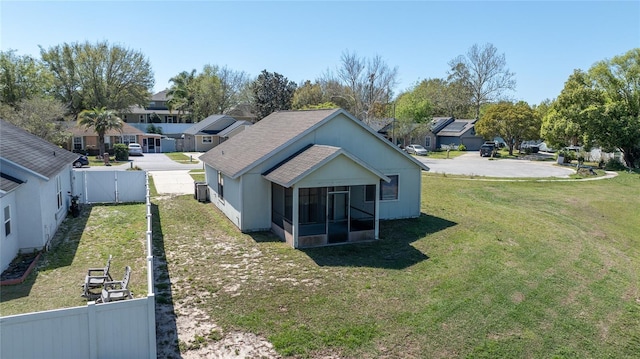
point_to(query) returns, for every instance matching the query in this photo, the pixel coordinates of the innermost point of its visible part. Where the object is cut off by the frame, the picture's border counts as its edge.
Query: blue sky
(543, 42)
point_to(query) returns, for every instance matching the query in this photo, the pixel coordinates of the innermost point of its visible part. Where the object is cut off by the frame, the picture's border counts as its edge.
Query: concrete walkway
(177, 182)
(172, 179)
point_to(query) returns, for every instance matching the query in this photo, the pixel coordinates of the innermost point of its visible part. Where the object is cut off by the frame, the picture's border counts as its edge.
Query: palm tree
(181, 92)
(101, 120)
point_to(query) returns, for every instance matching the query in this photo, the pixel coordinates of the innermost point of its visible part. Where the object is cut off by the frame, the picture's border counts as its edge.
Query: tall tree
(365, 86)
(99, 75)
(612, 119)
(414, 106)
(41, 116)
(561, 124)
(513, 122)
(215, 90)
(181, 94)
(207, 93)
(232, 83)
(308, 94)
(484, 72)
(448, 98)
(22, 77)
(100, 120)
(272, 92)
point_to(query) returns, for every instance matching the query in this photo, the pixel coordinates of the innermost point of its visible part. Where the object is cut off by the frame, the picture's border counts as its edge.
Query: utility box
(201, 191)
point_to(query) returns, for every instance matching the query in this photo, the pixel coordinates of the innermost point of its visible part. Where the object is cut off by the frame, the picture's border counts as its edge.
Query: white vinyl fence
(124, 329)
(109, 186)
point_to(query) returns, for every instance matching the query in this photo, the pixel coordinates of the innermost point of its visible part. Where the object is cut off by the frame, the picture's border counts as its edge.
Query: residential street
(171, 177)
(472, 164)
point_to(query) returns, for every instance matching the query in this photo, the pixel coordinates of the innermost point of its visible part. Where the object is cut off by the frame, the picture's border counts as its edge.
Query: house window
(207, 139)
(7, 221)
(427, 142)
(77, 143)
(169, 119)
(127, 139)
(59, 191)
(124, 118)
(389, 191)
(369, 193)
(141, 118)
(220, 185)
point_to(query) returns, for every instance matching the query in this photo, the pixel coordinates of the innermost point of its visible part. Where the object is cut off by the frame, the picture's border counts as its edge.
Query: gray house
(35, 178)
(313, 177)
(203, 136)
(459, 132)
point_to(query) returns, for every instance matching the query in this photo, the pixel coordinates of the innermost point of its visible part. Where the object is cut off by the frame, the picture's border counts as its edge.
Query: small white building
(313, 177)
(35, 178)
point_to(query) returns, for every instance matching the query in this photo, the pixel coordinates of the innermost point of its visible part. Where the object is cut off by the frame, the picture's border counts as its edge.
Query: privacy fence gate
(109, 186)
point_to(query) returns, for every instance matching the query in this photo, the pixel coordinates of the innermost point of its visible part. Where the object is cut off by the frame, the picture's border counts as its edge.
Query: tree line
(598, 107)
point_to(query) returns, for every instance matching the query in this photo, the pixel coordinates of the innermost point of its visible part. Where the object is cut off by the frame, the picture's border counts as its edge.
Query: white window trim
(59, 192)
(209, 137)
(7, 220)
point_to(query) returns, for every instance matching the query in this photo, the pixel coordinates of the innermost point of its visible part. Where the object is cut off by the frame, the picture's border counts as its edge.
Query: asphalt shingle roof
(81, 130)
(8, 183)
(232, 127)
(32, 152)
(258, 141)
(198, 127)
(308, 160)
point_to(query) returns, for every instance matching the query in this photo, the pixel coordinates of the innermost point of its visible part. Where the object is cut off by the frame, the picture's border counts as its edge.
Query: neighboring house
(459, 132)
(243, 112)
(233, 130)
(34, 184)
(204, 135)
(448, 131)
(86, 139)
(156, 111)
(313, 177)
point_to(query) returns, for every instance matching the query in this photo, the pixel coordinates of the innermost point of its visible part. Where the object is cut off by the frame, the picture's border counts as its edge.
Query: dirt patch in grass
(183, 328)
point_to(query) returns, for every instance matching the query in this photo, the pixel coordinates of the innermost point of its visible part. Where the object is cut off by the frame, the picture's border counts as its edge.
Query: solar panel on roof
(456, 126)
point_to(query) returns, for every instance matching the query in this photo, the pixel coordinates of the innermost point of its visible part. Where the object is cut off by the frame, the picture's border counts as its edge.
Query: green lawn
(82, 243)
(490, 270)
(180, 157)
(444, 155)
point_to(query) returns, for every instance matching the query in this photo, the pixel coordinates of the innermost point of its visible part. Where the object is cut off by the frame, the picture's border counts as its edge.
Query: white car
(135, 149)
(417, 150)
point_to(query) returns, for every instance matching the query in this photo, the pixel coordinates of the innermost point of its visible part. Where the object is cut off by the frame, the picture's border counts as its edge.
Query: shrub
(568, 155)
(614, 164)
(121, 151)
(462, 147)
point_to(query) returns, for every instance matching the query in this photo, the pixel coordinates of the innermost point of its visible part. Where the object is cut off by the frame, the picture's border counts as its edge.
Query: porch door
(338, 217)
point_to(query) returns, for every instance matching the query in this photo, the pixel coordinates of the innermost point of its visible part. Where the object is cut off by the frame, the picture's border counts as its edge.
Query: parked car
(135, 149)
(486, 150)
(416, 150)
(529, 147)
(81, 161)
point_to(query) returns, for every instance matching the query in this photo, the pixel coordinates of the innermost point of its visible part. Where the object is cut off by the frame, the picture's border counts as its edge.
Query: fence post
(93, 333)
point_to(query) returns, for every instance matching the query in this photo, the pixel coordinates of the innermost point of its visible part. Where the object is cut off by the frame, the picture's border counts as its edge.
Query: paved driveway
(472, 164)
